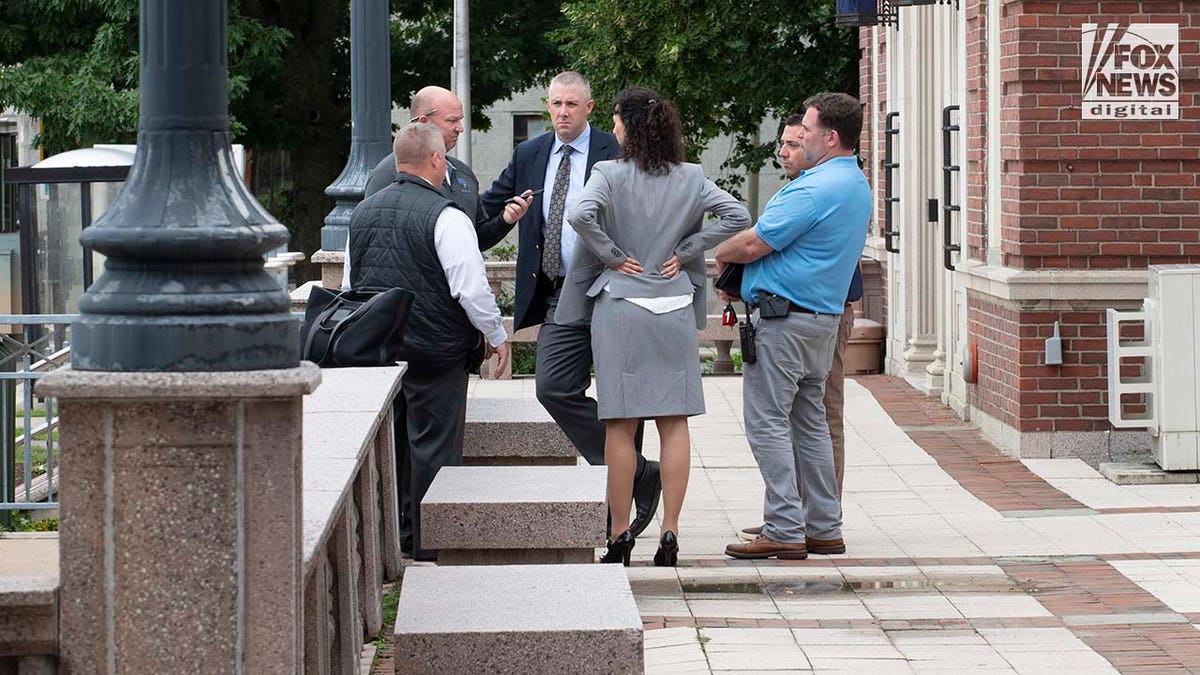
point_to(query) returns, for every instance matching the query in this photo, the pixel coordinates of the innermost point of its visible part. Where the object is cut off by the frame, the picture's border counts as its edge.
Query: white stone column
(941, 90)
(918, 82)
(994, 163)
(956, 393)
(895, 283)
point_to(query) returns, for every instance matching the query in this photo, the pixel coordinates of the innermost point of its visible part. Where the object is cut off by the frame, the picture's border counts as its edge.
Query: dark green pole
(184, 287)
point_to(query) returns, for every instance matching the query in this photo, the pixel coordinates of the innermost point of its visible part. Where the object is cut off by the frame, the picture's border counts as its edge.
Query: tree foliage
(511, 48)
(73, 64)
(727, 65)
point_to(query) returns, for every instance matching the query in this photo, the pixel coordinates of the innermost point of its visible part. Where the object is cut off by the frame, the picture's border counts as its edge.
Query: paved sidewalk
(960, 559)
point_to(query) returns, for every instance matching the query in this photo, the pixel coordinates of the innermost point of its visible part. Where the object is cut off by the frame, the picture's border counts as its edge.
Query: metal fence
(31, 345)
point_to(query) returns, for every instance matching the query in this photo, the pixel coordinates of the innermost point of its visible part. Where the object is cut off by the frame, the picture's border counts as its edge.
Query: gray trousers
(564, 371)
(784, 413)
(429, 418)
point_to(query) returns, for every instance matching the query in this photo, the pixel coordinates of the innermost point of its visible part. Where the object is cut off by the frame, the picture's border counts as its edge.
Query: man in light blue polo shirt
(800, 258)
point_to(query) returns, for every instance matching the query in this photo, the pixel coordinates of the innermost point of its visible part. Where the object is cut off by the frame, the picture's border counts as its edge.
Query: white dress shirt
(457, 248)
(578, 161)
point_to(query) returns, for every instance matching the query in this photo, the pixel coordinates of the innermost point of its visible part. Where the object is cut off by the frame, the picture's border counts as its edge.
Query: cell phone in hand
(531, 194)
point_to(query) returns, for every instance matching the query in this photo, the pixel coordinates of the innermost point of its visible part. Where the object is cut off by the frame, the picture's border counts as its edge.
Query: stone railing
(350, 545)
(351, 518)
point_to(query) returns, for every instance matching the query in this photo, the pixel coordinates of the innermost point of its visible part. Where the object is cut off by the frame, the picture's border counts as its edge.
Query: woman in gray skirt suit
(639, 278)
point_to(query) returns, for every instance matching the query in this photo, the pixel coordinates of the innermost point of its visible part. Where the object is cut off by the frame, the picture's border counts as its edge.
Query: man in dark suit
(559, 163)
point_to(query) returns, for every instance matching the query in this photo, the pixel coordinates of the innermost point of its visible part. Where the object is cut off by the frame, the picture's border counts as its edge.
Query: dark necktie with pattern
(552, 247)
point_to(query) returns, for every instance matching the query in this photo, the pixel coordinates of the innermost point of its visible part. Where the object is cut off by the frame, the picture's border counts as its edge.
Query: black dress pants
(429, 415)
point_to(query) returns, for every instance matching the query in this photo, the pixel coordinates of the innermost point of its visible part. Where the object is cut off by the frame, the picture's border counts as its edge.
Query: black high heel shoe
(668, 550)
(619, 549)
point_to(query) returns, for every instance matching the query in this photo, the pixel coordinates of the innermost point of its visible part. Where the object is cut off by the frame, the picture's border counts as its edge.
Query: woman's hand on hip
(671, 267)
(629, 266)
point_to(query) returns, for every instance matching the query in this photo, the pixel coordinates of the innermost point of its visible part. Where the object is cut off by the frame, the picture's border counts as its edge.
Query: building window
(529, 125)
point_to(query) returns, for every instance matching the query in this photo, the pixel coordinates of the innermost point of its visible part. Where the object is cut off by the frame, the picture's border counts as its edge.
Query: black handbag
(730, 279)
(358, 327)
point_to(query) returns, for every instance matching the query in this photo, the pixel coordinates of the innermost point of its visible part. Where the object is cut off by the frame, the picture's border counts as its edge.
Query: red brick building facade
(1059, 216)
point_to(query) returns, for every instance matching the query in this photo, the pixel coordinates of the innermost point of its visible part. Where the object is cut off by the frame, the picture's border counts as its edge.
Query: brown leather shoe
(825, 546)
(765, 547)
(749, 533)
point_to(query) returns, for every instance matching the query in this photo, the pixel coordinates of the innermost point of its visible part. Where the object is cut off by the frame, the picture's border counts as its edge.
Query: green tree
(73, 64)
(299, 111)
(727, 65)
(512, 48)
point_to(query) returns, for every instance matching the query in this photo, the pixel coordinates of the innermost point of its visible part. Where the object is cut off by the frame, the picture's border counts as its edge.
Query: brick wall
(872, 145)
(1093, 194)
(874, 305)
(994, 329)
(866, 70)
(1075, 194)
(1017, 388)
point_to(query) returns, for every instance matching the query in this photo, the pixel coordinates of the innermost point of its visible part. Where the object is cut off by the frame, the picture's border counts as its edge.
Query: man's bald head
(419, 150)
(440, 107)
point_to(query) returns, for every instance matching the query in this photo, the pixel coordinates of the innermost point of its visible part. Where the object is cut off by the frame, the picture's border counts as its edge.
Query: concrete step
(506, 431)
(29, 594)
(527, 619)
(515, 514)
(1145, 473)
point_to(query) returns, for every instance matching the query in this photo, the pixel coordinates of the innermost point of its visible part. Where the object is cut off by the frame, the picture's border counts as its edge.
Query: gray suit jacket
(624, 212)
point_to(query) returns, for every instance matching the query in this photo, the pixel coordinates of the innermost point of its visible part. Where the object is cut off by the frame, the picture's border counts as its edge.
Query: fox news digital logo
(1131, 73)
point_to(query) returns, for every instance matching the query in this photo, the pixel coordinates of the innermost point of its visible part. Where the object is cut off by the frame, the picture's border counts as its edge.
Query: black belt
(793, 307)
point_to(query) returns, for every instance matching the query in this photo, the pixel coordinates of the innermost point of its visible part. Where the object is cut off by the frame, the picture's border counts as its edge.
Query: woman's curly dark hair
(653, 133)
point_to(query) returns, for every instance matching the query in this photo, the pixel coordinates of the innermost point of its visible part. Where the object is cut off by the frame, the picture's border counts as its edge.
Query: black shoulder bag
(358, 327)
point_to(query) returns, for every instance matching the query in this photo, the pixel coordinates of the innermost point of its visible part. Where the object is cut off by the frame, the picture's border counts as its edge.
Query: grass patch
(19, 521)
(37, 458)
(702, 639)
(391, 598)
(735, 355)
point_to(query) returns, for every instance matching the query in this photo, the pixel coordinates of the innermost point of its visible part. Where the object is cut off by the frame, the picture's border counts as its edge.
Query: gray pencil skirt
(647, 364)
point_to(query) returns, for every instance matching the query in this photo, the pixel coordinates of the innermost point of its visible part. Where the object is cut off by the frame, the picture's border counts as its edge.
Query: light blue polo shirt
(816, 226)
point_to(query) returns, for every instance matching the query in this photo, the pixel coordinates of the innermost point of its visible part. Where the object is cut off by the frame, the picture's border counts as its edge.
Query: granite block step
(515, 514)
(506, 431)
(526, 619)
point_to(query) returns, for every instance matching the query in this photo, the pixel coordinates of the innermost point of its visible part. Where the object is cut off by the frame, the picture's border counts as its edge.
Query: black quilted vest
(391, 246)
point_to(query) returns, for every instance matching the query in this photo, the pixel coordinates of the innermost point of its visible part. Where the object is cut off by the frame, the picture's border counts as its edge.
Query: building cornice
(1017, 285)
